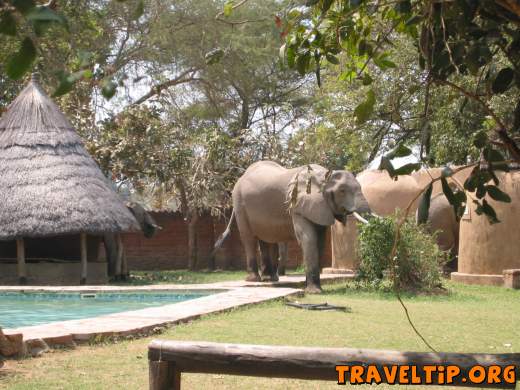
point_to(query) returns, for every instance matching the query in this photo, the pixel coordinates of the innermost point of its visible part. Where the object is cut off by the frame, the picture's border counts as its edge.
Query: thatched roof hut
(49, 184)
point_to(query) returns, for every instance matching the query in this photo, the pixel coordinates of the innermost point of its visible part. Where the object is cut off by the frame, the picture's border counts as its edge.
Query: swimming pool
(19, 309)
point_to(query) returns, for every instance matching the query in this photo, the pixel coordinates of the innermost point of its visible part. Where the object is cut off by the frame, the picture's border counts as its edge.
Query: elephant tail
(223, 236)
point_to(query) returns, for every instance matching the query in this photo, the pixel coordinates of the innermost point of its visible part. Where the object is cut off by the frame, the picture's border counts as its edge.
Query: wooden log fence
(168, 359)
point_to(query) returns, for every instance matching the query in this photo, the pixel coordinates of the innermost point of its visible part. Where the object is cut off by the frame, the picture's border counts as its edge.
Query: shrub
(418, 264)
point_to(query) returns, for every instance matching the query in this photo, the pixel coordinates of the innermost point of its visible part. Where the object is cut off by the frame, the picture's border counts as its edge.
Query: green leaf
(365, 109)
(485, 208)
(503, 80)
(67, 81)
(23, 6)
(310, 3)
(403, 7)
(302, 63)
(228, 8)
(7, 24)
(497, 194)
(413, 20)
(481, 191)
(332, 58)
(326, 5)
(139, 10)
(423, 210)
(407, 169)
(45, 14)
(367, 80)
(109, 89)
(214, 56)
(291, 57)
(480, 140)
(22, 61)
(400, 151)
(455, 201)
(383, 62)
(386, 165)
(364, 47)
(493, 155)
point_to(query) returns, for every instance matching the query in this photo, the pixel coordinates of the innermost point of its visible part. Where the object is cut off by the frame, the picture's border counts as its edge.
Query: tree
(452, 39)
(334, 136)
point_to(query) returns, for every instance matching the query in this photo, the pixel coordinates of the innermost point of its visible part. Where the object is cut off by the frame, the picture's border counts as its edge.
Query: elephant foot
(269, 278)
(313, 289)
(265, 278)
(252, 277)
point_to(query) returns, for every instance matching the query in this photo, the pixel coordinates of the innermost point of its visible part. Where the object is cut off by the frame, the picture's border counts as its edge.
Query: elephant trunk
(362, 206)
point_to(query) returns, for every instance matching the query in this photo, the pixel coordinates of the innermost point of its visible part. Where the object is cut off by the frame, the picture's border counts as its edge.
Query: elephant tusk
(375, 215)
(359, 217)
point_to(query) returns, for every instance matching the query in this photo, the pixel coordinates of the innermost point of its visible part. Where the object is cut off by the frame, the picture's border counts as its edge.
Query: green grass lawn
(468, 319)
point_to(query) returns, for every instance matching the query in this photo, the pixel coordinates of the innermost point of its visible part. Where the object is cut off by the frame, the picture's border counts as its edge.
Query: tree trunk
(191, 217)
(192, 241)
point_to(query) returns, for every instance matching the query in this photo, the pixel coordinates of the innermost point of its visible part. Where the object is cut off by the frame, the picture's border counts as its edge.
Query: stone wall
(168, 249)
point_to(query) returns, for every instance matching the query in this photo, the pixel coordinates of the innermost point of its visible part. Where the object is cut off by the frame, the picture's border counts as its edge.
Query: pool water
(26, 308)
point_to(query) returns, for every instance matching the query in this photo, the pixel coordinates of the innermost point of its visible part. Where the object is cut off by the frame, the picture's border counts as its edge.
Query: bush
(418, 264)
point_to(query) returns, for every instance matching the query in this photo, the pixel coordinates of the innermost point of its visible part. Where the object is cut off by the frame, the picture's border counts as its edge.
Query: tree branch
(184, 77)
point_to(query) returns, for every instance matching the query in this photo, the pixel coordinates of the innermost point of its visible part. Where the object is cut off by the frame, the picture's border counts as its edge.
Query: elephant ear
(306, 196)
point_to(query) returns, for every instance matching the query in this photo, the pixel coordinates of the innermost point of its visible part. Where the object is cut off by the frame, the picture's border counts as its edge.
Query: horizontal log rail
(168, 359)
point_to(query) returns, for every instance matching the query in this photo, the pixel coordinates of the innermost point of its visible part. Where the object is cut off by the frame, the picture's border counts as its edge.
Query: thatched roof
(49, 184)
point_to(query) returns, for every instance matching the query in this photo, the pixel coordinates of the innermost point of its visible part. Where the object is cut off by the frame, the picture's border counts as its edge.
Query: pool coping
(229, 295)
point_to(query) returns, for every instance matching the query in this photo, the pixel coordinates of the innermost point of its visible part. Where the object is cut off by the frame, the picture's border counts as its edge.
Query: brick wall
(168, 249)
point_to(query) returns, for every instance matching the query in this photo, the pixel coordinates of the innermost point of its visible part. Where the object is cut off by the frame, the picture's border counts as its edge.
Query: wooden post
(84, 269)
(124, 263)
(119, 258)
(164, 376)
(20, 255)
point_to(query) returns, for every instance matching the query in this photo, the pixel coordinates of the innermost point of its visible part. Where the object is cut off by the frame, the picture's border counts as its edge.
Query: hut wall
(53, 261)
(63, 247)
(168, 249)
(60, 274)
(485, 250)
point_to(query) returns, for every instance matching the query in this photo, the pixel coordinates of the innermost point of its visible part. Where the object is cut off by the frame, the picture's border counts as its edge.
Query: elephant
(272, 204)
(117, 267)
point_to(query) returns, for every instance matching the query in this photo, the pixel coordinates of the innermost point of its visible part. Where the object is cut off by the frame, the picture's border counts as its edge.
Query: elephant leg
(282, 257)
(273, 253)
(308, 238)
(250, 245)
(268, 269)
(265, 261)
(322, 234)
